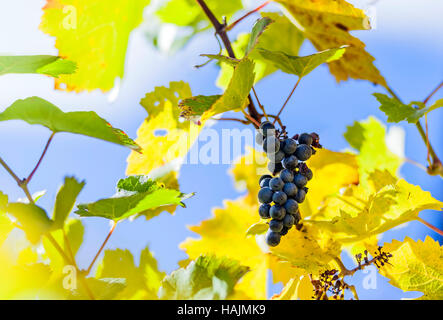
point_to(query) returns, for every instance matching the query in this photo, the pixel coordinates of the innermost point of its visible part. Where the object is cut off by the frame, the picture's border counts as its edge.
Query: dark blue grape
(291, 206)
(265, 182)
(279, 197)
(276, 184)
(275, 225)
(276, 157)
(303, 152)
(284, 231)
(263, 211)
(289, 146)
(300, 196)
(290, 189)
(277, 212)
(308, 174)
(265, 195)
(287, 175)
(275, 167)
(267, 128)
(272, 238)
(288, 220)
(271, 144)
(300, 180)
(290, 162)
(305, 138)
(264, 177)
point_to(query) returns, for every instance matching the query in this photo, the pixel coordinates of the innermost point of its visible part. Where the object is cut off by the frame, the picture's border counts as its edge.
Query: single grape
(263, 211)
(303, 152)
(291, 206)
(275, 225)
(277, 212)
(275, 167)
(276, 157)
(284, 231)
(300, 196)
(276, 184)
(289, 146)
(272, 238)
(259, 138)
(287, 175)
(305, 138)
(288, 220)
(271, 144)
(290, 189)
(300, 180)
(265, 182)
(267, 128)
(279, 197)
(290, 162)
(265, 195)
(264, 177)
(308, 174)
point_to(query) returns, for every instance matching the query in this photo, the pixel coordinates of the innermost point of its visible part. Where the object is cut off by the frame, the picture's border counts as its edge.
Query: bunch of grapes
(281, 192)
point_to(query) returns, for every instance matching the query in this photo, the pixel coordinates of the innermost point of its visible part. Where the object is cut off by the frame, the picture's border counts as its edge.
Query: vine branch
(430, 226)
(114, 224)
(287, 99)
(233, 24)
(220, 30)
(28, 179)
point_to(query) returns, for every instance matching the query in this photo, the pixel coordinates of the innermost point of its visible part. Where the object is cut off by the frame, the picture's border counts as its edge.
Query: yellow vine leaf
(358, 214)
(416, 266)
(163, 136)
(288, 292)
(95, 35)
(327, 23)
(332, 171)
(225, 235)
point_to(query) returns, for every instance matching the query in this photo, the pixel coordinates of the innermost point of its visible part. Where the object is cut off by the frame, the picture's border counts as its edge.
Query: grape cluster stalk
(285, 188)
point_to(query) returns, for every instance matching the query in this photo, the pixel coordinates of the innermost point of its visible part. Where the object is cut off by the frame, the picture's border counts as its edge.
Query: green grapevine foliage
(354, 196)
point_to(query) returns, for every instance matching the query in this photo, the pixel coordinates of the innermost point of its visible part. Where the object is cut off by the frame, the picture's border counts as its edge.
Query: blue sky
(406, 43)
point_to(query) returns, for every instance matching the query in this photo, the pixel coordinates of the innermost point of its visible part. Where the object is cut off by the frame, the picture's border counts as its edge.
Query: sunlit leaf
(257, 228)
(93, 34)
(33, 219)
(135, 195)
(397, 111)
(43, 64)
(65, 200)
(208, 277)
(327, 24)
(301, 66)
(35, 110)
(163, 137)
(142, 281)
(257, 30)
(5, 223)
(368, 137)
(416, 266)
(289, 40)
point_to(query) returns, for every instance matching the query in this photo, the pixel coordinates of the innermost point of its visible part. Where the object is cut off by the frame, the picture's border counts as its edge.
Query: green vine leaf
(257, 30)
(301, 66)
(135, 195)
(234, 98)
(42, 64)
(95, 36)
(397, 111)
(35, 110)
(416, 266)
(33, 219)
(208, 277)
(65, 200)
(141, 282)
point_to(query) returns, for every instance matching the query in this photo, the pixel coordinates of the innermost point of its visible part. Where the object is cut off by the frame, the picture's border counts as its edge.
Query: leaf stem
(287, 99)
(233, 119)
(11, 173)
(28, 179)
(433, 92)
(233, 24)
(430, 226)
(259, 103)
(114, 224)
